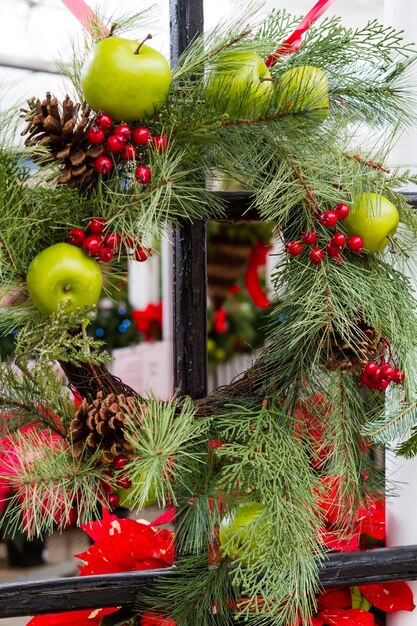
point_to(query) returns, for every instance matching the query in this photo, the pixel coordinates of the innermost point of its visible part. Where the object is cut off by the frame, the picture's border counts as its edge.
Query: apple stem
(149, 36)
(393, 248)
(112, 29)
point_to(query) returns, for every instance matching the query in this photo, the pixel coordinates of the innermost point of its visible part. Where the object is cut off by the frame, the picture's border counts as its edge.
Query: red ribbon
(257, 259)
(293, 42)
(87, 17)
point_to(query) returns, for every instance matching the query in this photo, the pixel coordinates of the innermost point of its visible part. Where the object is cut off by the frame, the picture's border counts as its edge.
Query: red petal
(340, 544)
(389, 597)
(87, 617)
(335, 599)
(316, 621)
(351, 617)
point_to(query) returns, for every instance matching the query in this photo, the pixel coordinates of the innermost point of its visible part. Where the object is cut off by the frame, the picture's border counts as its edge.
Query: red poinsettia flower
(88, 617)
(389, 597)
(371, 519)
(124, 545)
(335, 599)
(152, 619)
(338, 543)
(349, 617)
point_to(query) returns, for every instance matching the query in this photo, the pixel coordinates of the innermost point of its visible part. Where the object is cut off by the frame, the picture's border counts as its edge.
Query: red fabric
(293, 42)
(389, 597)
(257, 259)
(72, 618)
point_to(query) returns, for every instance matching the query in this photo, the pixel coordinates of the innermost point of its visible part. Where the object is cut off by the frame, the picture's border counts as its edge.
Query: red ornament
(76, 236)
(143, 174)
(294, 248)
(355, 243)
(122, 132)
(112, 240)
(106, 254)
(92, 244)
(120, 461)
(309, 237)
(95, 135)
(333, 250)
(398, 376)
(128, 152)
(338, 239)
(97, 225)
(328, 219)
(342, 210)
(113, 500)
(160, 142)
(140, 136)
(103, 165)
(104, 121)
(114, 144)
(124, 482)
(316, 255)
(142, 254)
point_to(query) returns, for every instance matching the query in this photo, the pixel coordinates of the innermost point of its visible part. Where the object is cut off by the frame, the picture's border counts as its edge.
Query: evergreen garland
(261, 446)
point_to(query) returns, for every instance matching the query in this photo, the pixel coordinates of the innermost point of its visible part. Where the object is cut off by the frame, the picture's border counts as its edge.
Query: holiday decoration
(292, 436)
(375, 219)
(62, 275)
(127, 80)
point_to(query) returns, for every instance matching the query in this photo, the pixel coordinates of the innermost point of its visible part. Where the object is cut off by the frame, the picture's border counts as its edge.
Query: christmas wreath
(139, 145)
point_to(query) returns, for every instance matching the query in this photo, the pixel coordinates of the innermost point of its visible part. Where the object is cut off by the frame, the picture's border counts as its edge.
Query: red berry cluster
(380, 373)
(123, 481)
(97, 244)
(334, 247)
(123, 143)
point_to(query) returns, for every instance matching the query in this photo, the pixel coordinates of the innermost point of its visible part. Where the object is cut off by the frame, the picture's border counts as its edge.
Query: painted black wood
(189, 240)
(89, 592)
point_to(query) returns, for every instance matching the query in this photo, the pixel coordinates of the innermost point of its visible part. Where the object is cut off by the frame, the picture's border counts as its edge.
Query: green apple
(239, 85)
(374, 218)
(235, 534)
(125, 80)
(129, 497)
(63, 275)
(304, 89)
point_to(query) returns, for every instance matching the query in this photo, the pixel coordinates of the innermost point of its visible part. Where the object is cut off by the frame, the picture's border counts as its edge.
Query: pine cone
(354, 355)
(100, 425)
(226, 262)
(63, 131)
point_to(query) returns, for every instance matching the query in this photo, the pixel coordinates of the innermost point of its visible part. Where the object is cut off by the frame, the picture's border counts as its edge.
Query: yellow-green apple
(63, 275)
(126, 80)
(239, 84)
(237, 540)
(304, 89)
(130, 496)
(374, 218)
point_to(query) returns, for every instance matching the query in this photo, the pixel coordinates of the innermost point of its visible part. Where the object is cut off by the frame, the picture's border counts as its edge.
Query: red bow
(149, 321)
(257, 259)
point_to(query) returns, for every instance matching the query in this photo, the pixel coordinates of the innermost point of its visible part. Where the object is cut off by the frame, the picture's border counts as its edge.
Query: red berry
(128, 152)
(142, 254)
(103, 165)
(140, 135)
(106, 254)
(316, 255)
(333, 250)
(95, 135)
(112, 240)
(124, 482)
(338, 239)
(113, 500)
(355, 243)
(122, 132)
(104, 121)
(342, 210)
(376, 375)
(120, 461)
(97, 225)
(76, 236)
(398, 376)
(309, 238)
(363, 378)
(114, 144)
(92, 244)
(160, 143)
(370, 368)
(387, 371)
(328, 219)
(294, 248)
(383, 384)
(143, 174)
(129, 242)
